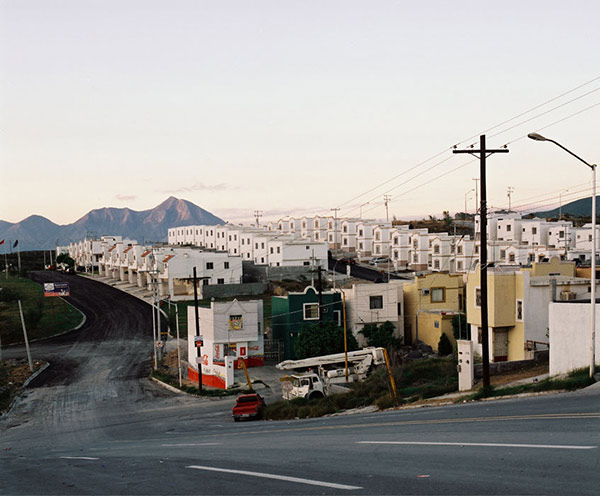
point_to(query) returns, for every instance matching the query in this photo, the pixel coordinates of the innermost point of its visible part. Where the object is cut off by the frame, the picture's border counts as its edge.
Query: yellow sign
(236, 323)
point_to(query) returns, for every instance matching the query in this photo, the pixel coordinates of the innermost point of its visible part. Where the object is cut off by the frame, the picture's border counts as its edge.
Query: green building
(291, 312)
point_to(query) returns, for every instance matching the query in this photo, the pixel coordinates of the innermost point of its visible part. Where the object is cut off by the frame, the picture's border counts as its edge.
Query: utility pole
(198, 348)
(476, 179)
(319, 270)
(335, 210)
(386, 200)
(509, 191)
(483, 153)
(257, 215)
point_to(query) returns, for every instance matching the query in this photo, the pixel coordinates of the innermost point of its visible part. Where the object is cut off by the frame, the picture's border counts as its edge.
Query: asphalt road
(104, 429)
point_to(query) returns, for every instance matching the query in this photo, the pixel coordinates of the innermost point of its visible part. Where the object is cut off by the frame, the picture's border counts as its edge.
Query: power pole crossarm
(483, 153)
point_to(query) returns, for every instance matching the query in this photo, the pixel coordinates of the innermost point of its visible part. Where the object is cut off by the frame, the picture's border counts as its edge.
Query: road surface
(96, 426)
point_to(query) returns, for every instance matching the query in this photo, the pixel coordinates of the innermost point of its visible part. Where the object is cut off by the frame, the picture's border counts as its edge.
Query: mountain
(38, 233)
(577, 208)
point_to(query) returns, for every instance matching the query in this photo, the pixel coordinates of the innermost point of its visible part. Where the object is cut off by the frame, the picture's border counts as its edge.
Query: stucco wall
(570, 336)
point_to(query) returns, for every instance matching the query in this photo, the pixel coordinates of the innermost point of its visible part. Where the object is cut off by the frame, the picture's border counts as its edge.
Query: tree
(444, 345)
(315, 341)
(381, 335)
(66, 259)
(460, 328)
(447, 218)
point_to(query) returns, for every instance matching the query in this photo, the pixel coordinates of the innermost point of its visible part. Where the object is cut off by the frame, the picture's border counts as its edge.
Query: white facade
(233, 329)
(570, 336)
(375, 304)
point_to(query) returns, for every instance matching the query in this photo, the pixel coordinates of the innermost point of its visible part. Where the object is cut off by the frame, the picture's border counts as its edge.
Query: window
(478, 297)
(436, 249)
(311, 311)
(459, 249)
(511, 257)
(279, 249)
(209, 265)
(262, 246)
(345, 229)
(508, 228)
(305, 263)
(520, 310)
(271, 248)
(360, 246)
(477, 249)
(360, 232)
(502, 253)
(377, 236)
(459, 266)
(396, 254)
(399, 308)
(345, 241)
(438, 295)
(534, 230)
(436, 264)
(256, 246)
(220, 281)
(337, 317)
(205, 282)
(376, 302)
(225, 265)
(561, 234)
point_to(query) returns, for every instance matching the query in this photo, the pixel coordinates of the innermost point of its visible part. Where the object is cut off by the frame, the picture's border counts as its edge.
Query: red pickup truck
(248, 406)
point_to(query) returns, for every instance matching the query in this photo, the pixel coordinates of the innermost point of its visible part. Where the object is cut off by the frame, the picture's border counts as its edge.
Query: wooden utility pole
(483, 153)
(198, 348)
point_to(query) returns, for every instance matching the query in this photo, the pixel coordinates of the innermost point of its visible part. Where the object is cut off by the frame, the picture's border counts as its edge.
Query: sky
(294, 107)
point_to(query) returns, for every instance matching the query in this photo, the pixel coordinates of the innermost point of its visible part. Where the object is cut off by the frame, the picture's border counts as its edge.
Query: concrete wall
(570, 336)
(231, 290)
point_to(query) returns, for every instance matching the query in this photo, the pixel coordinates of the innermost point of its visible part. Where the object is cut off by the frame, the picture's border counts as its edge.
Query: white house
(233, 329)
(374, 304)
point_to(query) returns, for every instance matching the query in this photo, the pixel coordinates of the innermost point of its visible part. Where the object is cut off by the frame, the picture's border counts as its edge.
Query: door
(500, 345)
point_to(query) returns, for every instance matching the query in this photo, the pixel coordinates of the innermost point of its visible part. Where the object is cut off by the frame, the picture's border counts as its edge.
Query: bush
(316, 341)
(444, 345)
(381, 335)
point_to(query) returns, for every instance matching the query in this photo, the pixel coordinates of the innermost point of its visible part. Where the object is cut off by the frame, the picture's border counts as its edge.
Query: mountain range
(38, 233)
(577, 208)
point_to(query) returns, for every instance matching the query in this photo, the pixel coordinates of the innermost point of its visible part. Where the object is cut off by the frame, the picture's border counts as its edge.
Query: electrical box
(466, 367)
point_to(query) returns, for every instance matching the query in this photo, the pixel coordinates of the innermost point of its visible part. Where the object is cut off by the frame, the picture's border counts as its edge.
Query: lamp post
(560, 203)
(467, 194)
(539, 137)
(360, 215)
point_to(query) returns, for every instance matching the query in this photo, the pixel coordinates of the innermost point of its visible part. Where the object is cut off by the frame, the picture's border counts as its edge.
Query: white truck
(319, 376)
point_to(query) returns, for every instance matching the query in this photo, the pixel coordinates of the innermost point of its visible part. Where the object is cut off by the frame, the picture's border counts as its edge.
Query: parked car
(348, 261)
(248, 406)
(377, 260)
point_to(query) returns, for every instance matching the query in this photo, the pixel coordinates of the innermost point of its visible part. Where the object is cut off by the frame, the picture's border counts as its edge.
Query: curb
(171, 388)
(35, 374)
(17, 397)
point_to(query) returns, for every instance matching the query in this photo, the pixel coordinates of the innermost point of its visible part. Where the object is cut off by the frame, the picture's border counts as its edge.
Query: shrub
(444, 345)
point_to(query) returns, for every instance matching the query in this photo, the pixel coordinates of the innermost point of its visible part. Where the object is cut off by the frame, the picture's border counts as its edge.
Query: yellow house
(518, 306)
(430, 302)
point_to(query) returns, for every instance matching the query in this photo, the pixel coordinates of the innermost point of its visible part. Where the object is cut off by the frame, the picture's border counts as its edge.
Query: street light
(467, 194)
(539, 137)
(560, 203)
(360, 215)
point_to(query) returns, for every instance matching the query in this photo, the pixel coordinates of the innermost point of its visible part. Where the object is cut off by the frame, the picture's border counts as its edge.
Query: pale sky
(292, 107)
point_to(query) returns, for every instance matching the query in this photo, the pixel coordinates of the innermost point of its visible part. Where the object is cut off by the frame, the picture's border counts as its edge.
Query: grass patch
(576, 379)
(209, 393)
(414, 381)
(43, 316)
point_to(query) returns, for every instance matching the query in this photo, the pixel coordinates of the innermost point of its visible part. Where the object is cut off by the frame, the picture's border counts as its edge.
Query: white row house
(260, 246)
(172, 267)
